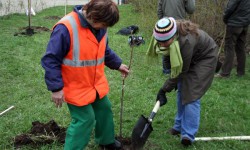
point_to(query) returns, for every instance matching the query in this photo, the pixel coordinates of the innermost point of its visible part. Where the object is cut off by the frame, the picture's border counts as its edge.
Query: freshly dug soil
(31, 30)
(41, 134)
(48, 133)
(52, 18)
(126, 142)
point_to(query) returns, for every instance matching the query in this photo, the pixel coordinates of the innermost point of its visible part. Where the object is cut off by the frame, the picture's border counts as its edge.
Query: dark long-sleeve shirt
(237, 13)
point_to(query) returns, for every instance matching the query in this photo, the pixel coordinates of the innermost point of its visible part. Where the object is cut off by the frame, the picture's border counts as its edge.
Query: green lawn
(225, 107)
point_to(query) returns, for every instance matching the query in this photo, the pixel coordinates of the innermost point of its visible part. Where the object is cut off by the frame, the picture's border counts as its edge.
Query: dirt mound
(48, 133)
(31, 30)
(126, 143)
(41, 134)
(52, 17)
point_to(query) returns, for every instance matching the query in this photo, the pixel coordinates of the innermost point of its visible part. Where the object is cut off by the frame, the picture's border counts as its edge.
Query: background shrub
(208, 15)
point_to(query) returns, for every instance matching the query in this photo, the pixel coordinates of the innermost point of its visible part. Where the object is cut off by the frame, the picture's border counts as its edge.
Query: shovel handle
(153, 113)
(157, 106)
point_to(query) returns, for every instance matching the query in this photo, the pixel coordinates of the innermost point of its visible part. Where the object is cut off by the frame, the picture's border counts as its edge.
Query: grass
(225, 107)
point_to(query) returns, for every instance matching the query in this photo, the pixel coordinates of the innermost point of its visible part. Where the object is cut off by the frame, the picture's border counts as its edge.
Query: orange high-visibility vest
(83, 67)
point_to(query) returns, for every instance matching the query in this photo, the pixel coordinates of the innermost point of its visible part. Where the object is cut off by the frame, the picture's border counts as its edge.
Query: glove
(161, 96)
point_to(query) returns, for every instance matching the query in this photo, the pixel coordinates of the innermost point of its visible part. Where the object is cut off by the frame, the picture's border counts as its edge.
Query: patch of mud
(52, 17)
(31, 30)
(50, 132)
(41, 134)
(126, 142)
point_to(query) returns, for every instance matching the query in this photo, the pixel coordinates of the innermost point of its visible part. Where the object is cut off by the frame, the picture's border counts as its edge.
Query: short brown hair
(102, 11)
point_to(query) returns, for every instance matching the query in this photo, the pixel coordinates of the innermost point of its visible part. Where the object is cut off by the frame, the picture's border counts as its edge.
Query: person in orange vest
(74, 62)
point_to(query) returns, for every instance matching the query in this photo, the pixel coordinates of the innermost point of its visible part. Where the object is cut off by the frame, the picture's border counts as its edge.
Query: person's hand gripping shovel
(143, 127)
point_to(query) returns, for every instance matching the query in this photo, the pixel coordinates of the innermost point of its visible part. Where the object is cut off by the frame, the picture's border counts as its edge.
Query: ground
(47, 133)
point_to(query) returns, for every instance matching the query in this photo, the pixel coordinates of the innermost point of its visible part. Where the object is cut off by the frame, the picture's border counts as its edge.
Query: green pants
(84, 119)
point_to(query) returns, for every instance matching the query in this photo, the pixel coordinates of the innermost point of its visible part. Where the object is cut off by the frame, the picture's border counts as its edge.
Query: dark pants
(235, 41)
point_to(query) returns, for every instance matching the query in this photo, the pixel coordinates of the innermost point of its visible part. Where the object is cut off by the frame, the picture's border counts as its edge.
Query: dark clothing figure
(176, 9)
(234, 41)
(237, 18)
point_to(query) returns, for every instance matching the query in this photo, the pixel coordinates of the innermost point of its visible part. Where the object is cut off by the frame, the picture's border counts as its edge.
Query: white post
(6, 110)
(222, 138)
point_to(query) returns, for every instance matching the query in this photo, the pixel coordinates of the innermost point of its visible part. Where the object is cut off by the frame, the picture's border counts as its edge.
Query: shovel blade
(139, 139)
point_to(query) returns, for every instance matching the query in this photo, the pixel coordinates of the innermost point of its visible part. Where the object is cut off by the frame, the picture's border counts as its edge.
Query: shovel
(143, 128)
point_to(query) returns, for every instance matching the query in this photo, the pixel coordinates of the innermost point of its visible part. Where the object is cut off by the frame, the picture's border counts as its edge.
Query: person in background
(193, 56)
(237, 18)
(178, 9)
(74, 62)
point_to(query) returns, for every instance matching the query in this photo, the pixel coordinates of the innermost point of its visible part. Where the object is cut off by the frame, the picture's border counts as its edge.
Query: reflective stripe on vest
(83, 67)
(76, 50)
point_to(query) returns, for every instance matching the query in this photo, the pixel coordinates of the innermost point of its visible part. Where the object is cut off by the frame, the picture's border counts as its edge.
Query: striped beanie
(165, 29)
